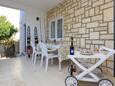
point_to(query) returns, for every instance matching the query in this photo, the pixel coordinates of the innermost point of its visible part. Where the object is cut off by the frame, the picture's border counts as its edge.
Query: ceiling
(40, 4)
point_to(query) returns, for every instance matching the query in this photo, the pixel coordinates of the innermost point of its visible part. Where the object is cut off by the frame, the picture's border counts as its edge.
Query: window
(59, 28)
(56, 29)
(53, 29)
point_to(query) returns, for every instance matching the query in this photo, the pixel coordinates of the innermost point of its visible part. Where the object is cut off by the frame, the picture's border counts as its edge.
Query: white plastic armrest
(52, 50)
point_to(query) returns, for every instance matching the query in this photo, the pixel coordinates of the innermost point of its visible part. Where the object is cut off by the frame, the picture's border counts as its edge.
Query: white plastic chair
(48, 56)
(35, 53)
(38, 52)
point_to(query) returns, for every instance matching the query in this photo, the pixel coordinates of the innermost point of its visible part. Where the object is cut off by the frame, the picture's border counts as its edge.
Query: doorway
(11, 24)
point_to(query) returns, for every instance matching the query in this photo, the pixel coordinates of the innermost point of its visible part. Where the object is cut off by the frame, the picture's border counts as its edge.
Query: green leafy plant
(9, 42)
(7, 30)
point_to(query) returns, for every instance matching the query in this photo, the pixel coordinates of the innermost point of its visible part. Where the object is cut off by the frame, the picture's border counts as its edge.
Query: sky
(12, 15)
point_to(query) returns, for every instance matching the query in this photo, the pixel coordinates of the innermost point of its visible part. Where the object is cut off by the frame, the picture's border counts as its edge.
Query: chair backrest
(43, 49)
(38, 47)
(33, 47)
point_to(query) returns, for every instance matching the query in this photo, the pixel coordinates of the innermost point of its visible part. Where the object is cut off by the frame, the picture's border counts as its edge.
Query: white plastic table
(102, 57)
(52, 46)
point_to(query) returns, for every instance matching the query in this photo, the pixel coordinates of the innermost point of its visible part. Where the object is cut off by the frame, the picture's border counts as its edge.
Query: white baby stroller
(87, 73)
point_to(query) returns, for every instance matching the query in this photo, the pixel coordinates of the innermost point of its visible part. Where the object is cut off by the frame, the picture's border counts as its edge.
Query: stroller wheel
(71, 81)
(105, 82)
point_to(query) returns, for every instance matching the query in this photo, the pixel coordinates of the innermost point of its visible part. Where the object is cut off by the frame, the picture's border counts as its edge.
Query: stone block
(66, 39)
(107, 5)
(79, 18)
(71, 11)
(94, 35)
(111, 27)
(86, 13)
(97, 46)
(85, 35)
(97, 3)
(77, 25)
(88, 8)
(87, 46)
(110, 64)
(88, 41)
(83, 25)
(110, 71)
(108, 0)
(70, 34)
(74, 30)
(97, 10)
(89, 2)
(103, 32)
(84, 4)
(92, 24)
(78, 36)
(101, 29)
(82, 43)
(111, 58)
(86, 20)
(82, 30)
(78, 42)
(98, 42)
(91, 30)
(106, 37)
(96, 18)
(91, 12)
(68, 20)
(103, 24)
(69, 26)
(105, 70)
(87, 31)
(71, 15)
(108, 14)
(79, 11)
(109, 44)
(83, 1)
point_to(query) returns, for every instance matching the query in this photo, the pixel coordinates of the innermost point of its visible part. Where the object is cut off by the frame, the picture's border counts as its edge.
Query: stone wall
(90, 22)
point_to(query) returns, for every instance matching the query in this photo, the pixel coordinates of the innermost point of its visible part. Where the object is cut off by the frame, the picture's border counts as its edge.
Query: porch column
(114, 38)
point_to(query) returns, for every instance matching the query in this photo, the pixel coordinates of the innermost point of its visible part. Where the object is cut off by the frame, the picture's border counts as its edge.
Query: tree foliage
(9, 42)
(7, 30)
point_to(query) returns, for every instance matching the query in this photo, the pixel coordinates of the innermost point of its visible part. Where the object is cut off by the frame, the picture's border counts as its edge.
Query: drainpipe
(114, 37)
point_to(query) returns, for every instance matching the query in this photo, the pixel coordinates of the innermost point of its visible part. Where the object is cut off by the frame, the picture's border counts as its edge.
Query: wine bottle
(71, 47)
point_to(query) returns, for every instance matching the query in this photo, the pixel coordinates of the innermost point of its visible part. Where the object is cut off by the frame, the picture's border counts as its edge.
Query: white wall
(22, 33)
(28, 18)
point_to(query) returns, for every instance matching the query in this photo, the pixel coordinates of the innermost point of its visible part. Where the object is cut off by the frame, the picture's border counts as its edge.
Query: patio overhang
(42, 5)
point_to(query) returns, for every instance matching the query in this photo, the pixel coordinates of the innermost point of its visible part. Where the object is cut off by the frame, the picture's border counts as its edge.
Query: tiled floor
(21, 72)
